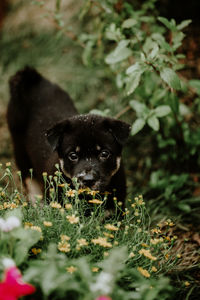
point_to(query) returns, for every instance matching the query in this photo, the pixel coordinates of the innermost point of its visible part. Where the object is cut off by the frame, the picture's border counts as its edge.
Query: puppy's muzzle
(87, 179)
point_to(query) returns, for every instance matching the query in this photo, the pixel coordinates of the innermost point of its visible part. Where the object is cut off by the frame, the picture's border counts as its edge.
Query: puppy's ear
(55, 133)
(119, 129)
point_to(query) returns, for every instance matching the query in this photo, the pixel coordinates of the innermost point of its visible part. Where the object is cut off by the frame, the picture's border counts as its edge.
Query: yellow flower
(3, 194)
(108, 235)
(106, 254)
(166, 256)
(55, 205)
(25, 204)
(186, 283)
(71, 193)
(131, 255)
(64, 237)
(120, 203)
(155, 230)
(82, 242)
(147, 253)
(80, 191)
(93, 193)
(28, 225)
(95, 269)
(64, 246)
(36, 251)
(154, 269)
(171, 224)
(11, 205)
(178, 255)
(154, 241)
(144, 272)
(71, 269)
(72, 219)
(37, 228)
(62, 211)
(95, 201)
(101, 241)
(8, 164)
(47, 223)
(144, 245)
(139, 200)
(111, 227)
(68, 206)
(62, 185)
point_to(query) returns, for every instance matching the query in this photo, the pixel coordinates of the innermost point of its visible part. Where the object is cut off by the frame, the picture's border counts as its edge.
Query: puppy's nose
(88, 179)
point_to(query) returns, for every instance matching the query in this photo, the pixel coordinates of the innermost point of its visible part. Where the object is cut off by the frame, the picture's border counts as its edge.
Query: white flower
(8, 263)
(103, 283)
(9, 224)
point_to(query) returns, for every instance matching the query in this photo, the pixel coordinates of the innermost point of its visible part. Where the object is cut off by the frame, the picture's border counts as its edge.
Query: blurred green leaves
(147, 116)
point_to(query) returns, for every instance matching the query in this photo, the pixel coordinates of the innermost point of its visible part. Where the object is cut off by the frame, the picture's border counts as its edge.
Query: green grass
(54, 237)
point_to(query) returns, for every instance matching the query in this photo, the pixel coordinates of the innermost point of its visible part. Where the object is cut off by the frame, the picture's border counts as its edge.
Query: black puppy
(46, 129)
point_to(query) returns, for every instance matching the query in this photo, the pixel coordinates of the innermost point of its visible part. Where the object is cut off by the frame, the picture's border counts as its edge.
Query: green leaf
(183, 24)
(134, 68)
(113, 33)
(135, 71)
(133, 82)
(171, 25)
(184, 207)
(162, 111)
(137, 126)
(86, 56)
(171, 78)
(184, 110)
(174, 103)
(120, 53)
(153, 122)
(154, 51)
(161, 41)
(195, 83)
(103, 113)
(26, 239)
(177, 39)
(140, 108)
(129, 23)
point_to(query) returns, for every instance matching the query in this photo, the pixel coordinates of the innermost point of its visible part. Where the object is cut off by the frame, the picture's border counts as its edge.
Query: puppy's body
(46, 129)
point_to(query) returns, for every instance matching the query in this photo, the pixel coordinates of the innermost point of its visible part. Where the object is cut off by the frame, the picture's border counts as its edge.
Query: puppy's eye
(73, 156)
(104, 154)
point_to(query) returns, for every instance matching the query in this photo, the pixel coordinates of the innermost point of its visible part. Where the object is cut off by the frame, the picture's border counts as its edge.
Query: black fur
(46, 129)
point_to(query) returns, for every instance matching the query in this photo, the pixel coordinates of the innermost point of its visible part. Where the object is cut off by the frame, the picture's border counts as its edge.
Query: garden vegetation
(120, 59)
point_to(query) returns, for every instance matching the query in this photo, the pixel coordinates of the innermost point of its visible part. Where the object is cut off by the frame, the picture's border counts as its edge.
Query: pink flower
(12, 287)
(103, 298)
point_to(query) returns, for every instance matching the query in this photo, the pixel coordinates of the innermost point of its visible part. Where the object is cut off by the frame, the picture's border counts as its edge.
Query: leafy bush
(140, 53)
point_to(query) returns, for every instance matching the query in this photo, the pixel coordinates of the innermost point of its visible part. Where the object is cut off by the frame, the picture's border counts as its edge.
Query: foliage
(140, 52)
(131, 68)
(76, 243)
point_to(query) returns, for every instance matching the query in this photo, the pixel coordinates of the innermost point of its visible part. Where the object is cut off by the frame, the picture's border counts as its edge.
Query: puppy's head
(89, 148)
